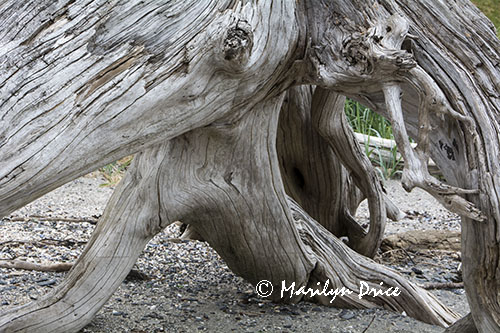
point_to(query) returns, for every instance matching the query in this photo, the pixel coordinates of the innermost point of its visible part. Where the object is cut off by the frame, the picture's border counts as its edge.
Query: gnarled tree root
(342, 267)
(224, 180)
(464, 325)
(130, 220)
(329, 120)
(210, 178)
(325, 170)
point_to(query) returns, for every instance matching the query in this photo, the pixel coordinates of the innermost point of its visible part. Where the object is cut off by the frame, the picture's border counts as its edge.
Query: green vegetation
(113, 172)
(490, 8)
(365, 121)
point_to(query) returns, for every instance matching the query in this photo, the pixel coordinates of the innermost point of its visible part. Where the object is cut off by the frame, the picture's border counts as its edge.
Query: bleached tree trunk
(197, 87)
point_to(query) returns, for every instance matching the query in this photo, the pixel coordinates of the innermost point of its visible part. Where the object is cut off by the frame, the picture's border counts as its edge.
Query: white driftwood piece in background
(196, 88)
(383, 149)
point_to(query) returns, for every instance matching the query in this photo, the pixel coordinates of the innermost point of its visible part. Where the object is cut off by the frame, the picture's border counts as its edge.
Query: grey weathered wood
(85, 83)
(450, 96)
(215, 178)
(99, 80)
(330, 121)
(315, 171)
(132, 217)
(464, 325)
(224, 180)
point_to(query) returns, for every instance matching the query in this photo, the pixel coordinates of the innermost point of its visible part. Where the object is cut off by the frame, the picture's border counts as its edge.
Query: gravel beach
(187, 287)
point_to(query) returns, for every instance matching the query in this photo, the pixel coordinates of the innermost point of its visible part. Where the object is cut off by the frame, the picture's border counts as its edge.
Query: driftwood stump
(235, 112)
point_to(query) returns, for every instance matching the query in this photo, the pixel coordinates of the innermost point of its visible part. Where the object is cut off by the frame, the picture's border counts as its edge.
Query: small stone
(154, 315)
(47, 283)
(417, 271)
(118, 313)
(15, 281)
(7, 289)
(346, 315)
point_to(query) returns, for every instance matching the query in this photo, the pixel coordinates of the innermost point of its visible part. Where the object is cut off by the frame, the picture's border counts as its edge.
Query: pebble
(417, 271)
(47, 283)
(346, 314)
(3, 290)
(118, 313)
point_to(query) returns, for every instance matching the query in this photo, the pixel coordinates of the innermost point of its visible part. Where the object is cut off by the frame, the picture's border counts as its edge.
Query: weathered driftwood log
(422, 240)
(85, 83)
(464, 325)
(132, 217)
(221, 194)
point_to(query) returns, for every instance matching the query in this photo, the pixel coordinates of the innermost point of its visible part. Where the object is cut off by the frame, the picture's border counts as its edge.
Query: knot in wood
(369, 56)
(238, 42)
(356, 52)
(405, 61)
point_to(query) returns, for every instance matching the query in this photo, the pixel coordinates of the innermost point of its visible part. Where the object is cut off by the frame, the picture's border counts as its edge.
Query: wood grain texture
(114, 77)
(196, 88)
(131, 218)
(450, 103)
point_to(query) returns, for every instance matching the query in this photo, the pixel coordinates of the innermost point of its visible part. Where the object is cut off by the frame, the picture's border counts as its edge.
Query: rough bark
(209, 77)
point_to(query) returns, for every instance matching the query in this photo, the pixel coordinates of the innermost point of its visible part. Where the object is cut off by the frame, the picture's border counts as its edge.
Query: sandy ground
(189, 288)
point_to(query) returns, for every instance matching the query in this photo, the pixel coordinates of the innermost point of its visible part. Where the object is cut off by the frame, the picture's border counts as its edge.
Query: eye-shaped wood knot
(238, 43)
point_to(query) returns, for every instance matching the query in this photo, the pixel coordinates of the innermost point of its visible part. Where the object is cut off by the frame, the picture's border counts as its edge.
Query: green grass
(365, 121)
(490, 8)
(114, 172)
